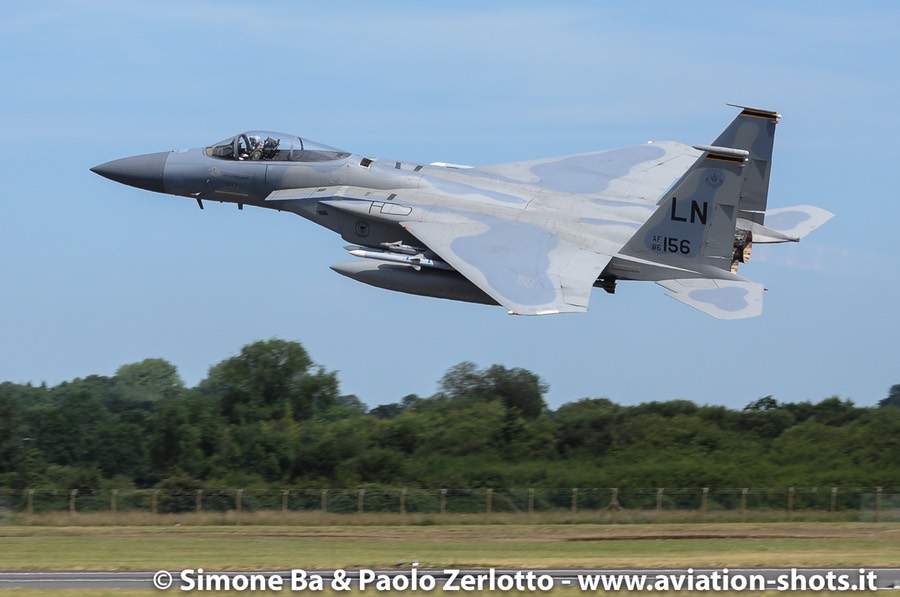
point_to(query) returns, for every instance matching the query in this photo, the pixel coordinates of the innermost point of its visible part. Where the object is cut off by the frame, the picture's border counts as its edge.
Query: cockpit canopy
(275, 147)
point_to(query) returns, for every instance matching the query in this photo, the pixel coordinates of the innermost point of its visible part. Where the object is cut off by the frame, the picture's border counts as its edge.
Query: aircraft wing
(636, 172)
(529, 269)
(723, 299)
(524, 267)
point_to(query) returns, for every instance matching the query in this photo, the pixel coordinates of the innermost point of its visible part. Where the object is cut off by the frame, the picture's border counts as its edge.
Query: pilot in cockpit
(253, 149)
(270, 148)
(257, 149)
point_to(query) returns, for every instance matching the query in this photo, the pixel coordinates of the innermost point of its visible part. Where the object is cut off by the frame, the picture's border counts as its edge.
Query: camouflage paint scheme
(535, 237)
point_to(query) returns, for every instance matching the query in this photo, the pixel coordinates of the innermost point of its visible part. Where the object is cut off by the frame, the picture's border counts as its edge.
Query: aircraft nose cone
(141, 171)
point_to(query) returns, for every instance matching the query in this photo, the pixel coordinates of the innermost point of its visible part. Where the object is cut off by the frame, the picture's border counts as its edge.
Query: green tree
(765, 418)
(189, 437)
(71, 433)
(256, 384)
(150, 380)
(762, 404)
(834, 411)
(893, 398)
(12, 444)
(516, 388)
(587, 427)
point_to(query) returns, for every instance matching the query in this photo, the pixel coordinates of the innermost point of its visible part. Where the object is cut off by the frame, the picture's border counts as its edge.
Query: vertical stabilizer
(754, 131)
(693, 229)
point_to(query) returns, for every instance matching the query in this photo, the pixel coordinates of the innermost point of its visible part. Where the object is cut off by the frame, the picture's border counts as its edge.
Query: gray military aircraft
(534, 237)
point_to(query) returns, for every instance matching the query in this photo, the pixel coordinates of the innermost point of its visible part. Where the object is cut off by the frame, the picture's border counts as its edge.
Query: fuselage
(224, 175)
(365, 200)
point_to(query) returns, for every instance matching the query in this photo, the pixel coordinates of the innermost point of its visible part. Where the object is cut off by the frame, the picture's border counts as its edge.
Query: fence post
(834, 491)
(113, 496)
(403, 502)
(284, 499)
(324, 507)
(154, 501)
(659, 498)
(239, 499)
(360, 500)
(72, 495)
(703, 500)
(878, 504)
(489, 501)
(744, 492)
(531, 500)
(790, 501)
(574, 500)
(443, 501)
(198, 501)
(30, 504)
(614, 500)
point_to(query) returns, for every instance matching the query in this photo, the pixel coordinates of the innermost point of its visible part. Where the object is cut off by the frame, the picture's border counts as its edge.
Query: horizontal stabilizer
(723, 299)
(788, 224)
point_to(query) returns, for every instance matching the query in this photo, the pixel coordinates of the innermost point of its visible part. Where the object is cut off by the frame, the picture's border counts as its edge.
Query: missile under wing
(535, 237)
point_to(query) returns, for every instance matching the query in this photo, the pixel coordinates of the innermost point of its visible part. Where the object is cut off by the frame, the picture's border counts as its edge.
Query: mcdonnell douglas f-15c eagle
(534, 237)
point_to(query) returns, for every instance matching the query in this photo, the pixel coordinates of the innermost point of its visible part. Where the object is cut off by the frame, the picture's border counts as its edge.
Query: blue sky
(94, 275)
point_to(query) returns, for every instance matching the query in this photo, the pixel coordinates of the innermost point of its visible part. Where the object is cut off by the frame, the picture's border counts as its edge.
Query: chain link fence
(604, 504)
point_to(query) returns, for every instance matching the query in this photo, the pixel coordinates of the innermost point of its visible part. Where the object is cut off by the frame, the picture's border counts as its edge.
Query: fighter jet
(535, 237)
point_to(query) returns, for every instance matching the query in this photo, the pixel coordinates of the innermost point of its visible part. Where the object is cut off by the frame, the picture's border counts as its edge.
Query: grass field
(258, 547)
(521, 546)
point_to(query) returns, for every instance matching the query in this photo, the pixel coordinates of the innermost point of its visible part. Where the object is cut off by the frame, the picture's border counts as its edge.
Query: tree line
(270, 417)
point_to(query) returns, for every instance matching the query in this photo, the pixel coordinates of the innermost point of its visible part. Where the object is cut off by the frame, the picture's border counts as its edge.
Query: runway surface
(884, 578)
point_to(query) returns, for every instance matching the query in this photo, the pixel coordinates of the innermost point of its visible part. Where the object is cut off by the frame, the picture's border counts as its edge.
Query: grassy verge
(516, 546)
